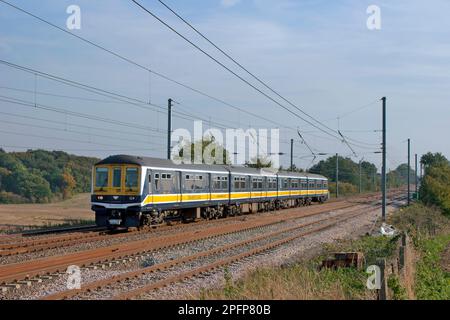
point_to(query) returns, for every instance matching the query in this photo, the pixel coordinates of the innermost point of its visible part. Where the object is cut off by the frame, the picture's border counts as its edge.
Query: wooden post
(383, 292)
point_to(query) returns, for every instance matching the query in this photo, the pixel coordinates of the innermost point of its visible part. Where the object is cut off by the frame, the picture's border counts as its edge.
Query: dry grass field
(21, 215)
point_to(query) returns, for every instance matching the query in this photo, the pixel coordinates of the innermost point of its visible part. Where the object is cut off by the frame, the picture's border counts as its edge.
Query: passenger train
(131, 191)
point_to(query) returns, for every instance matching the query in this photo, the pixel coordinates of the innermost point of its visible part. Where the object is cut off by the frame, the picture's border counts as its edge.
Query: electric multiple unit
(131, 191)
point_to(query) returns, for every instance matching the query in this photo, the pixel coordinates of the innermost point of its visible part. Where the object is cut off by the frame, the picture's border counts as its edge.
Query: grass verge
(432, 281)
(428, 229)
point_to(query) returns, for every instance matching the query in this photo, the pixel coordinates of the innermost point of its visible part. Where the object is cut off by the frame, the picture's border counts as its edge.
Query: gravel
(288, 253)
(291, 251)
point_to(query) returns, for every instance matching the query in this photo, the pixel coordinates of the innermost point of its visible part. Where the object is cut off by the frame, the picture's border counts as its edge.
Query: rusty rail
(29, 269)
(166, 265)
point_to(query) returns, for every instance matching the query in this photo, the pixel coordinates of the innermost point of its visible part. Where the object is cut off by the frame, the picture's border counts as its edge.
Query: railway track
(223, 250)
(16, 274)
(29, 269)
(88, 234)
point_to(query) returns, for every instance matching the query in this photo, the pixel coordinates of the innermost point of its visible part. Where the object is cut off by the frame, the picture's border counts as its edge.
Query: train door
(307, 187)
(209, 187)
(179, 183)
(249, 186)
(148, 188)
(265, 186)
(230, 185)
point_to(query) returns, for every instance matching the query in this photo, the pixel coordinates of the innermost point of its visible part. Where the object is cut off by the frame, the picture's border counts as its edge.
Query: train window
(101, 177)
(285, 184)
(225, 183)
(216, 183)
(220, 183)
(243, 183)
(168, 183)
(188, 183)
(117, 177)
(201, 183)
(273, 183)
(131, 178)
(295, 184)
(156, 181)
(254, 183)
(260, 183)
(237, 184)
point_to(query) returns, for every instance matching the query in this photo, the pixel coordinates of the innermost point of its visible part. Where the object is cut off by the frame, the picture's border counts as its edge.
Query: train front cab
(116, 195)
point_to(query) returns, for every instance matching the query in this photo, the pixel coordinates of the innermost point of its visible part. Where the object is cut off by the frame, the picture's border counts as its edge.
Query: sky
(319, 55)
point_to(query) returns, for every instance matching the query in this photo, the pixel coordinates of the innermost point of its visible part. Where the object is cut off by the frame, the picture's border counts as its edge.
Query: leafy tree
(348, 171)
(435, 185)
(259, 162)
(433, 160)
(69, 184)
(399, 176)
(209, 148)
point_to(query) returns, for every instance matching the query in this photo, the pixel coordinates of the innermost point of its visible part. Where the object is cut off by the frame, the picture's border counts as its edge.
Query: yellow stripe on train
(193, 197)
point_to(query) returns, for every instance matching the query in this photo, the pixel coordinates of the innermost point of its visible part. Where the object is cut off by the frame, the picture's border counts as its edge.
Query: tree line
(38, 176)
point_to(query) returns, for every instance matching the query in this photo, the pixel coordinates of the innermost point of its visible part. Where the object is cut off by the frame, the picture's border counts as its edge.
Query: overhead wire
(141, 66)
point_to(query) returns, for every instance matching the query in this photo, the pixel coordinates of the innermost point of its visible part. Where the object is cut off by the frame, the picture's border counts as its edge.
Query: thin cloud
(229, 3)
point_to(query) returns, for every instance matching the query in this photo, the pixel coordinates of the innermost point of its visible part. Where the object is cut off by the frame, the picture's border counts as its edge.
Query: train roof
(160, 163)
(170, 164)
(303, 175)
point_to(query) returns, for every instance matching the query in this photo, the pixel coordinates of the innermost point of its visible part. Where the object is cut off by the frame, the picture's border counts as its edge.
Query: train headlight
(99, 197)
(132, 198)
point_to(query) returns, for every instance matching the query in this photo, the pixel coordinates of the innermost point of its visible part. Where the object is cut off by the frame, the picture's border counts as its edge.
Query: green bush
(344, 188)
(9, 197)
(398, 291)
(435, 188)
(420, 221)
(432, 282)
